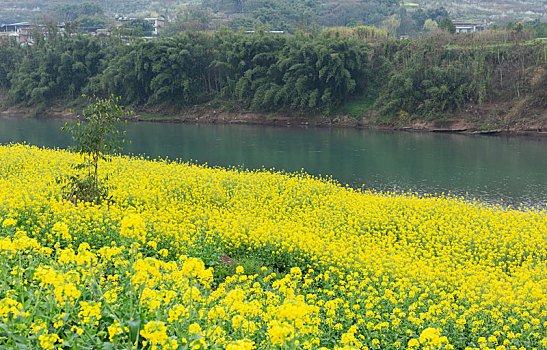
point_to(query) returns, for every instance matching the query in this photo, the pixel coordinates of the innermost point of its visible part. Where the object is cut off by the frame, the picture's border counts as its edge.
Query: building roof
(20, 24)
(461, 23)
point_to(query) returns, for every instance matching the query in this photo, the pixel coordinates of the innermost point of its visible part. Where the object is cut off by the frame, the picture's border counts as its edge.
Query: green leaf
(134, 328)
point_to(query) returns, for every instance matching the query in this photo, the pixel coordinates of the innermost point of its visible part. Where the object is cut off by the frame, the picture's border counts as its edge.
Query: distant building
(90, 29)
(469, 27)
(25, 34)
(15, 27)
(102, 32)
(158, 24)
(21, 32)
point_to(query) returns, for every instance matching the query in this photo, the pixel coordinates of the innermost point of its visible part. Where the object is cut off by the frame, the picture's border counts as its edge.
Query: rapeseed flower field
(193, 257)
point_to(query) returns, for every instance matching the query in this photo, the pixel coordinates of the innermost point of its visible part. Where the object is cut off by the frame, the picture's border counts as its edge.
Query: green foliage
(539, 28)
(196, 19)
(303, 73)
(72, 12)
(136, 27)
(368, 33)
(422, 15)
(294, 72)
(423, 91)
(167, 71)
(425, 84)
(442, 74)
(447, 25)
(55, 70)
(261, 71)
(359, 107)
(430, 25)
(10, 55)
(299, 15)
(96, 137)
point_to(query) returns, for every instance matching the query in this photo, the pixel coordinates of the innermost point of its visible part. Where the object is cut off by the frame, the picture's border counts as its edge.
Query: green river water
(511, 170)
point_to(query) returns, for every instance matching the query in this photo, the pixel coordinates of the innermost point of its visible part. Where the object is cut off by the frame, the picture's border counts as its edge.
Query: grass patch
(157, 117)
(359, 107)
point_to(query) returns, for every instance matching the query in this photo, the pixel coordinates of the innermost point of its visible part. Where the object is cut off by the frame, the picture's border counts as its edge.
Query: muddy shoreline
(466, 124)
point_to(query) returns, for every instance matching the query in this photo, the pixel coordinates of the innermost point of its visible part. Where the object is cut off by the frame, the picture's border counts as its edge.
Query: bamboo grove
(314, 73)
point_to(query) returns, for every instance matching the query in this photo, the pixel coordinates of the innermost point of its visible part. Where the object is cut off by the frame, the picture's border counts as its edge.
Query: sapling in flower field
(97, 135)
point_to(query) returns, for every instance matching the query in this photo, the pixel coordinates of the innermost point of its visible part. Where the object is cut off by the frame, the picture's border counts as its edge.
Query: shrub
(96, 137)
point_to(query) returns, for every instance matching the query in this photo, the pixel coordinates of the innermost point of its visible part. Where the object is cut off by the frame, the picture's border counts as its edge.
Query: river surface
(508, 170)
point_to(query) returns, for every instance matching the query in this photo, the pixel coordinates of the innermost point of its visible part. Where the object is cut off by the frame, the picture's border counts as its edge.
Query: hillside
(278, 14)
(29, 10)
(499, 12)
(281, 14)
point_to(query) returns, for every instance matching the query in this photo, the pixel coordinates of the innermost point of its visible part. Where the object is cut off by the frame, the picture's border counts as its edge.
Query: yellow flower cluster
(431, 338)
(326, 267)
(155, 333)
(9, 307)
(133, 227)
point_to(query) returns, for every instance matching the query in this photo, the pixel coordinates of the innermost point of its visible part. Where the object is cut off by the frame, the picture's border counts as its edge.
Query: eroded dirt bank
(474, 120)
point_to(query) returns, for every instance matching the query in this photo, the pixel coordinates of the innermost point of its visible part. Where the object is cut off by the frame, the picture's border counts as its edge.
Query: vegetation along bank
(354, 76)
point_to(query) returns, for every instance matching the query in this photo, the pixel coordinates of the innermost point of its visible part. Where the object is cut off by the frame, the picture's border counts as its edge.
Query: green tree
(97, 136)
(391, 24)
(56, 69)
(72, 12)
(136, 27)
(430, 25)
(10, 55)
(447, 25)
(518, 27)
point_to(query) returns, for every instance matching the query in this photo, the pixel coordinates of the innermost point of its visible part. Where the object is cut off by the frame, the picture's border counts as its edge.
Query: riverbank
(487, 119)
